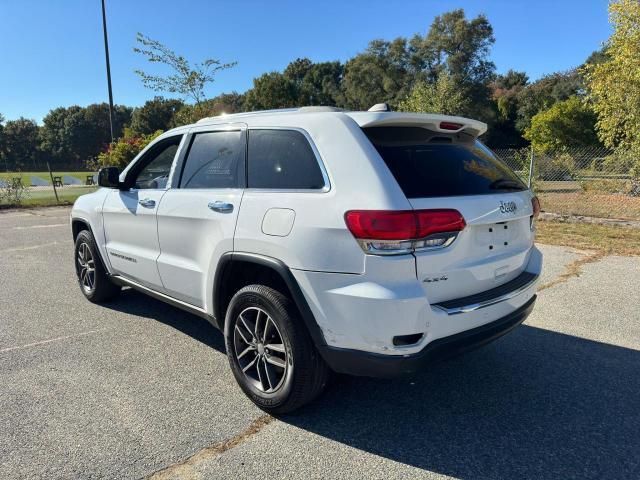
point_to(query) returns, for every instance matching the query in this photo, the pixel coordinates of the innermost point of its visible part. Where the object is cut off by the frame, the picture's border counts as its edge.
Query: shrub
(559, 167)
(13, 192)
(120, 153)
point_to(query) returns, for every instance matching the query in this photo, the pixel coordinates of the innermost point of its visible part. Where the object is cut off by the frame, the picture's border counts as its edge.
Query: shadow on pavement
(535, 404)
(135, 303)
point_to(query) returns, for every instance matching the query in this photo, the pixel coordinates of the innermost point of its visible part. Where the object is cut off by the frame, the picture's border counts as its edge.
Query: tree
(189, 81)
(614, 84)
(156, 114)
(443, 96)
(315, 83)
(224, 103)
(566, 124)
(505, 90)
(543, 93)
(380, 74)
(271, 90)
(21, 144)
(74, 135)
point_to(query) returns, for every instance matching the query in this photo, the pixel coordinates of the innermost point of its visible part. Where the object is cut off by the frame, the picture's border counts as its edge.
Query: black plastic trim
(285, 273)
(523, 279)
(358, 362)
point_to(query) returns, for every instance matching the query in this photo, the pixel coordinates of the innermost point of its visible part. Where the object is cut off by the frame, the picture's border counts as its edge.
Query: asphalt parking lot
(137, 388)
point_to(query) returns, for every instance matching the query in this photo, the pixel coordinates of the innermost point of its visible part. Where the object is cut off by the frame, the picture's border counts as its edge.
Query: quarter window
(215, 160)
(282, 159)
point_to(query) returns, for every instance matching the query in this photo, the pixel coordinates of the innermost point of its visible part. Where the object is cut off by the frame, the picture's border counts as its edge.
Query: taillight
(535, 203)
(396, 232)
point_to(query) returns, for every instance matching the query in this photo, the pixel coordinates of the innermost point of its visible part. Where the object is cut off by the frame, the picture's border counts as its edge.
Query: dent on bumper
(358, 362)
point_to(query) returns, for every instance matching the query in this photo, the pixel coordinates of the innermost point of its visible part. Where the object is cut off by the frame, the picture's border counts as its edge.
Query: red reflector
(535, 203)
(450, 126)
(402, 225)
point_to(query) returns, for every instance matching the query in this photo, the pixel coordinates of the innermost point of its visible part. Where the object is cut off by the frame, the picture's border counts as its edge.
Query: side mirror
(109, 177)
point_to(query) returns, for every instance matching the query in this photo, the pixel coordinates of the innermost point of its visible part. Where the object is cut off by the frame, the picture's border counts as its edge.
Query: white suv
(367, 243)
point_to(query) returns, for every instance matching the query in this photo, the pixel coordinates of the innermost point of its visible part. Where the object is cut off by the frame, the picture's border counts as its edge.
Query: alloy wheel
(260, 350)
(86, 268)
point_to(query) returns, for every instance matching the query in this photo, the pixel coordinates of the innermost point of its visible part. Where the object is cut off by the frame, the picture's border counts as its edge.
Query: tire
(92, 276)
(288, 371)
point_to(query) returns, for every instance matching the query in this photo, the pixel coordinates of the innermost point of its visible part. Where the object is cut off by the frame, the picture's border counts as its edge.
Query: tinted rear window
(282, 159)
(426, 164)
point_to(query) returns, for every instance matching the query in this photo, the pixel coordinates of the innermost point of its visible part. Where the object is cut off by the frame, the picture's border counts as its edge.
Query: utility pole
(106, 55)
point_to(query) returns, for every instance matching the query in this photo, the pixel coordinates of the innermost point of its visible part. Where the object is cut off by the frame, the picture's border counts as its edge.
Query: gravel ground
(136, 387)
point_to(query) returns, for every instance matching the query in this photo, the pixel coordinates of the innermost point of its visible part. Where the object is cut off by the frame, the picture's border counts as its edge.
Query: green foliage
(120, 153)
(13, 191)
(569, 123)
(555, 167)
(542, 94)
(271, 90)
(156, 114)
(224, 103)
(443, 96)
(189, 81)
(20, 144)
(77, 134)
(614, 83)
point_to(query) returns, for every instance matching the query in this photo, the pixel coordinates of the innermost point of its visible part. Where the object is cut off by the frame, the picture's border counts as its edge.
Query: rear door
(197, 216)
(455, 171)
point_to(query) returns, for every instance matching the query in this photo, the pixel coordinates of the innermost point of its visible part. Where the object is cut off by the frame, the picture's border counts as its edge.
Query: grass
(601, 205)
(46, 197)
(26, 180)
(611, 240)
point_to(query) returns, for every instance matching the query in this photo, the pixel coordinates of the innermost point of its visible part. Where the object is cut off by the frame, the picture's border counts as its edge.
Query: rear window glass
(282, 159)
(427, 164)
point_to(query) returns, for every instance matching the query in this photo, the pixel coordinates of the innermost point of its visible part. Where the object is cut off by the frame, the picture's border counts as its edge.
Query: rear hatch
(442, 170)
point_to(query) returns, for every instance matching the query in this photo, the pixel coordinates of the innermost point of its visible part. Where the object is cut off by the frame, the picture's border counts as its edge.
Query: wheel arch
(238, 269)
(79, 224)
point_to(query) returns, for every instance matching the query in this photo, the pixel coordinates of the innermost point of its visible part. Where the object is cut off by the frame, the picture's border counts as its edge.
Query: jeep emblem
(508, 207)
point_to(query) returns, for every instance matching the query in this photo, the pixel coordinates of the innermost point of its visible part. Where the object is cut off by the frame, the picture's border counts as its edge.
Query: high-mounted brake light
(394, 232)
(450, 126)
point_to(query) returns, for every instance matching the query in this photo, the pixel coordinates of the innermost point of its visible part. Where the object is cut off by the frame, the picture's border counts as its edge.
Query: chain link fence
(591, 182)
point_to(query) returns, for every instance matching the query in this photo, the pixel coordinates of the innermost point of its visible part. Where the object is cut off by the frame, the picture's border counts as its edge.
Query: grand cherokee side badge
(436, 279)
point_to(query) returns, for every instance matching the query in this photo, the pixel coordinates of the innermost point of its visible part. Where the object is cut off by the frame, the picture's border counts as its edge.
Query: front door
(197, 217)
(130, 224)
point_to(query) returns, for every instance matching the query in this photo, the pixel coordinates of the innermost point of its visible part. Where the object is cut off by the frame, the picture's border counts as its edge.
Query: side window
(215, 160)
(157, 165)
(282, 159)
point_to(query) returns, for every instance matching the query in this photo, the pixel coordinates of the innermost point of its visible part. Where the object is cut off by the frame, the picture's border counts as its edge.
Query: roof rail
(276, 110)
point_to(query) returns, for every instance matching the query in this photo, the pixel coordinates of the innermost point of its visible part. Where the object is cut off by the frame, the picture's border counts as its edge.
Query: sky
(52, 51)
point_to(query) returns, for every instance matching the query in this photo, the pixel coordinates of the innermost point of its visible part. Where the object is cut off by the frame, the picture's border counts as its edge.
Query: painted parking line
(51, 340)
(41, 226)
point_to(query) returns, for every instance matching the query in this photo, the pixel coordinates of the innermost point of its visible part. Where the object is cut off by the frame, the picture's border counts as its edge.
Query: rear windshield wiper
(506, 184)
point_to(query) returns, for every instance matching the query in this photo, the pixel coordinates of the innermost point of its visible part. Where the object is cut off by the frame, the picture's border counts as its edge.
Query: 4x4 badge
(508, 207)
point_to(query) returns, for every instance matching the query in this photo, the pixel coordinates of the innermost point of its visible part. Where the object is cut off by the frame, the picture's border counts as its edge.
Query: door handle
(221, 207)
(147, 202)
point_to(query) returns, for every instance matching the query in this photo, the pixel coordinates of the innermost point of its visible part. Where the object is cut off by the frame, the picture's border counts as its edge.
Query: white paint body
(360, 301)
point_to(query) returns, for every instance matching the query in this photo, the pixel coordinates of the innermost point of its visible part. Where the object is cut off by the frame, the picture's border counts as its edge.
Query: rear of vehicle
(454, 268)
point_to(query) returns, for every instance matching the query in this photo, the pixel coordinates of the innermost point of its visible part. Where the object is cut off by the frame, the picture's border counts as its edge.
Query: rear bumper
(361, 363)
